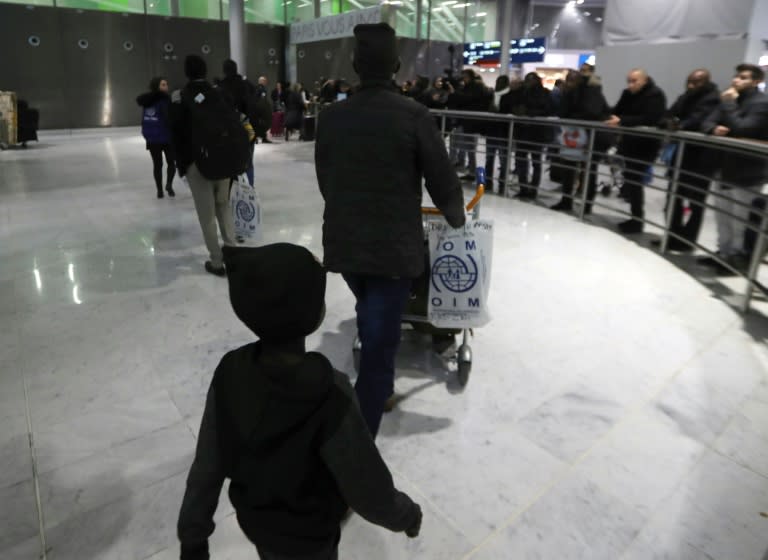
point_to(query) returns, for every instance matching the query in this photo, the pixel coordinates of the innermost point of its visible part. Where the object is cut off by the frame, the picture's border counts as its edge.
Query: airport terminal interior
(617, 403)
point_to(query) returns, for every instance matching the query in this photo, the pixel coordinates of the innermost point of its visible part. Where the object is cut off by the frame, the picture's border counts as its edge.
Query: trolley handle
(472, 203)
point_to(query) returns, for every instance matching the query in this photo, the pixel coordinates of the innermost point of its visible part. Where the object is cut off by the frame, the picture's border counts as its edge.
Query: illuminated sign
(482, 54)
(530, 49)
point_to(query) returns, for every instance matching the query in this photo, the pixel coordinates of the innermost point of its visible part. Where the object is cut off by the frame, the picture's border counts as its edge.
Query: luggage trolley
(416, 311)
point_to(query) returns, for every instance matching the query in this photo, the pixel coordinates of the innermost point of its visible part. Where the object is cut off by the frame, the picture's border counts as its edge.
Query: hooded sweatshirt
(154, 119)
(283, 425)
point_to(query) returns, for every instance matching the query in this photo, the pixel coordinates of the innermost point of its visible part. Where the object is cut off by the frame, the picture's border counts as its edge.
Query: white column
(237, 34)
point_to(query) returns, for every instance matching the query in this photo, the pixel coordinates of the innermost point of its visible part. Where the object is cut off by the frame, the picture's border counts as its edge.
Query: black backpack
(218, 133)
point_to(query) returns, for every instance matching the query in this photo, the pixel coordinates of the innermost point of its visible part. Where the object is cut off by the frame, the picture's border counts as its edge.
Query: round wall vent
(83, 44)
(168, 47)
(206, 49)
(34, 41)
(128, 46)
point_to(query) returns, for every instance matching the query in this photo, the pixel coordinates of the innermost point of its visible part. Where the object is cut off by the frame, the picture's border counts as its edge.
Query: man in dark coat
(474, 97)
(743, 113)
(641, 104)
(530, 139)
(241, 95)
(698, 162)
(582, 99)
(262, 110)
(371, 154)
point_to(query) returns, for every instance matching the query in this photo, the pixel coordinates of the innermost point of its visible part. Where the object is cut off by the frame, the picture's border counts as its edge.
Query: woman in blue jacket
(157, 133)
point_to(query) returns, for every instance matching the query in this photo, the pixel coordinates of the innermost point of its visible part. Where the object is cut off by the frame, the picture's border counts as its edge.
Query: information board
(530, 49)
(482, 54)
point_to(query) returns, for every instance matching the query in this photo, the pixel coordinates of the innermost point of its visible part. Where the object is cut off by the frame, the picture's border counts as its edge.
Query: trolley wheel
(464, 359)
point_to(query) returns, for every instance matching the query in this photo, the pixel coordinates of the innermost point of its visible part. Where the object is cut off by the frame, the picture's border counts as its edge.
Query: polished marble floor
(618, 407)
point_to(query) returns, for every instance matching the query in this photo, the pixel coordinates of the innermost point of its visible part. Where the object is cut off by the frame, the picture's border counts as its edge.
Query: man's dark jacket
(371, 154)
(644, 108)
(689, 112)
(475, 97)
(586, 102)
(747, 118)
(536, 102)
(181, 123)
(239, 92)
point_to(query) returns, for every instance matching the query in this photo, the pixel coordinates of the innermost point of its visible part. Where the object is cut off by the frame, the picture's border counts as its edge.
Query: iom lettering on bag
(460, 274)
(246, 212)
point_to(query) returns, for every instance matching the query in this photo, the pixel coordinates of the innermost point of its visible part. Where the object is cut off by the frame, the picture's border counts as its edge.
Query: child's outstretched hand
(413, 530)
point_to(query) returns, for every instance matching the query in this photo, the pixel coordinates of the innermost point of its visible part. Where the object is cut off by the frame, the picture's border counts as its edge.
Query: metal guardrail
(587, 165)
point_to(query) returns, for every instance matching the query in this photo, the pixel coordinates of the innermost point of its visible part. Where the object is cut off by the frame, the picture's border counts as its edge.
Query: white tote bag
(460, 276)
(246, 212)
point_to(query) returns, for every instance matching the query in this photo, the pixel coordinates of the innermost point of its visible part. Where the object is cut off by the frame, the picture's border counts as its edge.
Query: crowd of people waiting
(740, 111)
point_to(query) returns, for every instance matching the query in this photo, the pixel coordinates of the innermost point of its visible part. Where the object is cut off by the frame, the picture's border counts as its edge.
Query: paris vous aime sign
(334, 27)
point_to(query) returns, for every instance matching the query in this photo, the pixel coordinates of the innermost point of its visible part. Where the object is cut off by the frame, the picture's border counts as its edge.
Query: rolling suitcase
(278, 123)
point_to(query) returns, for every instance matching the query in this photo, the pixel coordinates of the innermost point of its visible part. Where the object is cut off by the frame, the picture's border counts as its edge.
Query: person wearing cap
(371, 154)
(283, 426)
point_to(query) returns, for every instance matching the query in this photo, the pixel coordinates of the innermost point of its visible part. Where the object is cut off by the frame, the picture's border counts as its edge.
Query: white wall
(669, 64)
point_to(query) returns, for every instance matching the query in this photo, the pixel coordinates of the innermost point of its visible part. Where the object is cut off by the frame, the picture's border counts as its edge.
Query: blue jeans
(380, 305)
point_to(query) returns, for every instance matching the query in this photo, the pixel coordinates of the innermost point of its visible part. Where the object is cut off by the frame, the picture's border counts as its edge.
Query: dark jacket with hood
(155, 125)
(747, 117)
(476, 97)
(644, 108)
(371, 154)
(181, 122)
(239, 92)
(536, 101)
(688, 113)
(283, 425)
(586, 102)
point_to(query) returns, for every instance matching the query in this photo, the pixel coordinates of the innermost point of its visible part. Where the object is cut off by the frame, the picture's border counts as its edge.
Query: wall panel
(37, 74)
(76, 87)
(102, 80)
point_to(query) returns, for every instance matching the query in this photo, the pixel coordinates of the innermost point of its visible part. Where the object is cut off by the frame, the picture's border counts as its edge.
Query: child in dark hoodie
(156, 131)
(284, 426)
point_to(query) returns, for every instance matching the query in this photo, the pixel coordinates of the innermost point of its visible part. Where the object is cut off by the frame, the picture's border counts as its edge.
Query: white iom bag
(246, 212)
(460, 276)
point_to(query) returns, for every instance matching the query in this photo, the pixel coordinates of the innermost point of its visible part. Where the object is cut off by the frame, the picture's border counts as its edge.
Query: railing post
(754, 263)
(510, 139)
(442, 124)
(587, 168)
(672, 200)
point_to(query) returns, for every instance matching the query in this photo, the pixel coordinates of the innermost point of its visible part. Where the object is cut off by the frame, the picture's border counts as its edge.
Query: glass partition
(203, 9)
(128, 6)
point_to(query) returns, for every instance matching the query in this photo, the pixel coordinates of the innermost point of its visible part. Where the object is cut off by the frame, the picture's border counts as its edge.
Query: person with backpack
(284, 426)
(212, 147)
(156, 131)
(241, 95)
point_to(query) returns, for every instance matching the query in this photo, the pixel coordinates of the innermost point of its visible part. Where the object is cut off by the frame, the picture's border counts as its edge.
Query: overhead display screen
(482, 54)
(530, 49)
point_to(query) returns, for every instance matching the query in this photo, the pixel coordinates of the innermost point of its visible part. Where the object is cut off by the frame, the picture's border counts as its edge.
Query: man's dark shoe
(170, 191)
(674, 245)
(267, 141)
(631, 227)
(563, 206)
(209, 268)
